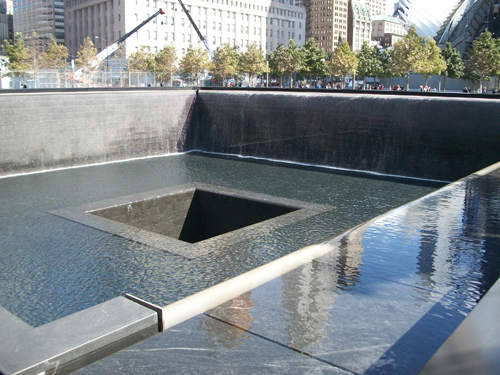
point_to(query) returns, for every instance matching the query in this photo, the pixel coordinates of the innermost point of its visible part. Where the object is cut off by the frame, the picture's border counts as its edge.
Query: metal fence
(66, 79)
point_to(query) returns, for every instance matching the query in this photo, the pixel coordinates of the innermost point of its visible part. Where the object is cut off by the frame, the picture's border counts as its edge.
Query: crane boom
(109, 50)
(202, 38)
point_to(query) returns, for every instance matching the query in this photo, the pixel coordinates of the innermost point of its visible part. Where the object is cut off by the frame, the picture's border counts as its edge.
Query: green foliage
(141, 61)
(166, 62)
(86, 58)
(194, 61)
(432, 62)
(55, 57)
(408, 54)
(484, 58)
(369, 63)
(253, 61)
(454, 64)
(226, 62)
(17, 53)
(314, 59)
(343, 62)
(286, 60)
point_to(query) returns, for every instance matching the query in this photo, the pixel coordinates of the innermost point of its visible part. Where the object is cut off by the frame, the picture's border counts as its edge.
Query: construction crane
(109, 50)
(202, 38)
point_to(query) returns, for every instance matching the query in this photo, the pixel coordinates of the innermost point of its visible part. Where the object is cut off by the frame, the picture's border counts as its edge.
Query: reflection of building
(359, 26)
(426, 15)
(267, 22)
(309, 291)
(235, 311)
(468, 20)
(44, 17)
(387, 30)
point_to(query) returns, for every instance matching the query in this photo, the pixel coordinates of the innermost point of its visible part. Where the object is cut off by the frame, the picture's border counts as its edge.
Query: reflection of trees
(236, 311)
(309, 291)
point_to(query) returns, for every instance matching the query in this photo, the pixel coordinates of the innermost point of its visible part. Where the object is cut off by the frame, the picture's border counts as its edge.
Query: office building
(360, 24)
(6, 22)
(44, 17)
(327, 22)
(238, 23)
(426, 15)
(467, 22)
(387, 30)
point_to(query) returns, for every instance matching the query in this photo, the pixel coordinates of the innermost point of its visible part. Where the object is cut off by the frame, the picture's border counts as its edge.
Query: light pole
(107, 59)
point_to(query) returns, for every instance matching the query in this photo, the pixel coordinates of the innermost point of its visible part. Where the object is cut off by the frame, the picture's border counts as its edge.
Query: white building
(426, 15)
(387, 30)
(376, 6)
(359, 25)
(267, 22)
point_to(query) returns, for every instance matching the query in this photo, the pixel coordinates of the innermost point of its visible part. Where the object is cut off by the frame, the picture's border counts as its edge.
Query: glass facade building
(44, 17)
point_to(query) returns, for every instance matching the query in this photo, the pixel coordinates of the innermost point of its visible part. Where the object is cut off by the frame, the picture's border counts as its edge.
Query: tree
(140, 61)
(277, 62)
(294, 59)
(408, 54)
(166, 62)
(386, 64)
(86, 58)
(194, 61)
(56, 55)
(35, 55)
(369, 64)
(253, 61)
(454, 63)
(226, 62)
(484, 57)
(343, 62)
(432, 62)
(17, 54)
(314, 59)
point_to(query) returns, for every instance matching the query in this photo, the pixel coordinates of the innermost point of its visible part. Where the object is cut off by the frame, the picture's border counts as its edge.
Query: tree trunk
(408, 81)
(281, 81)
(390, 82)
(444, 83)
(426, 79)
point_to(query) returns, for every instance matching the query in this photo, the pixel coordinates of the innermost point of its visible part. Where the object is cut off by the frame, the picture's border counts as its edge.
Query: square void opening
(195, 215)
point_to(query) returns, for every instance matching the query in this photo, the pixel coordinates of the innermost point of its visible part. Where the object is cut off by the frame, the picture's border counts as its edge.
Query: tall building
(239, 23)
(6, 22)
(327, 22)
(44, 17)
(426, 15)
(376, 6)
(387, 30)
(469, 19)
(360, 24)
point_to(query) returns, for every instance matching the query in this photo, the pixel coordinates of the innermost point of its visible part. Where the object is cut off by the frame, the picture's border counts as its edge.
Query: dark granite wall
(43, 130)
(427, 137)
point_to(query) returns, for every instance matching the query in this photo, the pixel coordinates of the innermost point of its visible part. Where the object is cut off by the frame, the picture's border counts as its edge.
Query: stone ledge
(74, 341)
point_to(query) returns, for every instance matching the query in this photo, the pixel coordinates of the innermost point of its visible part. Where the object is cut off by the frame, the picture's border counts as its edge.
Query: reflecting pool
(51, 267)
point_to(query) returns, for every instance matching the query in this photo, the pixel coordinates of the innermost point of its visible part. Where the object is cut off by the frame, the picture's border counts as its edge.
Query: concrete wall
(43, 130)
(443, 138)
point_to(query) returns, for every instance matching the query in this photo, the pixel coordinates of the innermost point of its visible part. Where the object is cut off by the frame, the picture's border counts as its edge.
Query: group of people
(428, 88)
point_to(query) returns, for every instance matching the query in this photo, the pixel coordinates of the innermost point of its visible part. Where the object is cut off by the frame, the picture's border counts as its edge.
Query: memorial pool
(52, 267)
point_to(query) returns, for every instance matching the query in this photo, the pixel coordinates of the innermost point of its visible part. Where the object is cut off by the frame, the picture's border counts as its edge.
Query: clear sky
(389, 6)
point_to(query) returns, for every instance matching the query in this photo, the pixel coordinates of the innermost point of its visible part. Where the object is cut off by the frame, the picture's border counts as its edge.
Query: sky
(389, 6)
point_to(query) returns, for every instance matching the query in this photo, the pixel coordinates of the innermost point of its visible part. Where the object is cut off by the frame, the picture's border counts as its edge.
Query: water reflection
(235, 311)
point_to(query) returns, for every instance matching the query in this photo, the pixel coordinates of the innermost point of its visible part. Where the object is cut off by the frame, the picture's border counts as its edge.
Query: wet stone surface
(382, 302)
(52, 267)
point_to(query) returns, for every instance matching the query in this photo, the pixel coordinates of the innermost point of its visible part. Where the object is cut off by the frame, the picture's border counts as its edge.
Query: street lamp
(107, 59)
